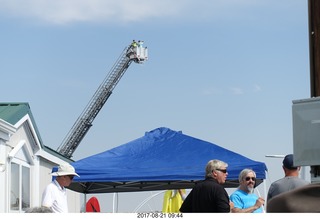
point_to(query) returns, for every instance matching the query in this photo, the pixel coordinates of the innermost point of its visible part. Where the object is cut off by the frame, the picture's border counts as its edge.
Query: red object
(93, 205)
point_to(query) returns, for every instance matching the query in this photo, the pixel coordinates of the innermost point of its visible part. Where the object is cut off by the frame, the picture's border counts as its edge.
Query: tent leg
(265, 191)
(115, 203)
(85, 202)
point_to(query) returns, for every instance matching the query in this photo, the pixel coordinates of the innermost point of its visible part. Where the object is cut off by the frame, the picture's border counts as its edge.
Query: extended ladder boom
(131, 53)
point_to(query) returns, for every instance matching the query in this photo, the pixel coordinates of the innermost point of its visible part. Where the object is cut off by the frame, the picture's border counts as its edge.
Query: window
(14, 200)
(25, 190)
(20, 187)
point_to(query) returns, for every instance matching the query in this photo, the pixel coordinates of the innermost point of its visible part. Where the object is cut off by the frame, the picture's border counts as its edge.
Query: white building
(25, 162)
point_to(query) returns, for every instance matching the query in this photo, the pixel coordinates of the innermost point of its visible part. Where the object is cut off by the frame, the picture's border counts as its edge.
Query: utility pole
(314, 46)
(314, 49)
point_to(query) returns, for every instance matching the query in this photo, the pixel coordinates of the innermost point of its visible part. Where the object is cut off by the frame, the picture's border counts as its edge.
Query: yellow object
(172, 201)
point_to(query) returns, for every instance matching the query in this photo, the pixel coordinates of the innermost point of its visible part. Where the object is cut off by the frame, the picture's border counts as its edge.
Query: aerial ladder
(135, 52)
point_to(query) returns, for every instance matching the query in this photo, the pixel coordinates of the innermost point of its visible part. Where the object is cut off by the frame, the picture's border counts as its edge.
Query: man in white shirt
(55, 195)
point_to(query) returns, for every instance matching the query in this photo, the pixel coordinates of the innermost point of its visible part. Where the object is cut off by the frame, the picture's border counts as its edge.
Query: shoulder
(296, 180)
(213, 185)
(303, 181)
(303, 199)
(236, 194)
(279, 181)
(50, 185)
(288, 179)
(211, 182)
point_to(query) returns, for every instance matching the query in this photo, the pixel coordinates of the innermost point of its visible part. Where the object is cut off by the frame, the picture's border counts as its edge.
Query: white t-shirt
(55, 197)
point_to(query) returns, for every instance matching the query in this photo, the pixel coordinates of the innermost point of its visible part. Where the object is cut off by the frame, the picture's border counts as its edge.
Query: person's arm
(231, 205)
(270, 192)
(186, 206)
(257, 205)
(47, 199)
(182, 194)
(223, 203)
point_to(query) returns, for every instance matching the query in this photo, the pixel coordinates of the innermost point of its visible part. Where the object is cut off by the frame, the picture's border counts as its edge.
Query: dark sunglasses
(71, 177)
(222, 170)
(252, 178)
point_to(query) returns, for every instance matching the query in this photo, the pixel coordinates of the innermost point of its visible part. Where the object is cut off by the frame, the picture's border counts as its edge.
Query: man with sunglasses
(244, 199)
(209, 195)
(55, 195)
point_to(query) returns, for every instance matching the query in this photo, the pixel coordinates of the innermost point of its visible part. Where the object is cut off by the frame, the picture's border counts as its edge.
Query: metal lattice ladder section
(84, 122)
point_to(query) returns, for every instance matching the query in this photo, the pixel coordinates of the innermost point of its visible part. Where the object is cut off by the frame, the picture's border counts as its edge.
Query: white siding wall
(12, 141)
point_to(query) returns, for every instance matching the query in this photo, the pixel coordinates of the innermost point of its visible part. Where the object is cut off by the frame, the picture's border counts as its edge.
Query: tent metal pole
(85, 202)
(115, 203)
(265, 194)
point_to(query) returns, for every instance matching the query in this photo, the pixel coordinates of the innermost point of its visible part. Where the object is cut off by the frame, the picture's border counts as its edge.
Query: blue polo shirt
(244, 200)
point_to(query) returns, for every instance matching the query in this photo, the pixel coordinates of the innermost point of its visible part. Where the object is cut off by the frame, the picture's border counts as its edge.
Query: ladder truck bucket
(138, 54)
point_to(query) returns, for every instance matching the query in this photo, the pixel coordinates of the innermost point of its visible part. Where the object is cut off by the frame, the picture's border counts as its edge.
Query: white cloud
(68, 11)
(115, 11)
(237, 90)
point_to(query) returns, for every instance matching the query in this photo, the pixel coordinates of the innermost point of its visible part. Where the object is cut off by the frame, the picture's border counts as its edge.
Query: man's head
(288, 162)
(288, 167)
(65, 174)
(247, 180)
(217, 169)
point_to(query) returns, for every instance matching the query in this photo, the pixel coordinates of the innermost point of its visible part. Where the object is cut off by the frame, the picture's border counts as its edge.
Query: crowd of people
(209, 195)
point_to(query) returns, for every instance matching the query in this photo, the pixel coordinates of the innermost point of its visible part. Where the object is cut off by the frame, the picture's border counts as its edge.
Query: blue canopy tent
(160, 160)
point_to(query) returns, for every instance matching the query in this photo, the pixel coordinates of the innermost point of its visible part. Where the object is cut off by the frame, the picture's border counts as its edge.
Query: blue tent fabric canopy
(161, 159)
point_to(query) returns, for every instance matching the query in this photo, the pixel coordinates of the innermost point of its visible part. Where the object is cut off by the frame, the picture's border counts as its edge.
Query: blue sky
(224, 71)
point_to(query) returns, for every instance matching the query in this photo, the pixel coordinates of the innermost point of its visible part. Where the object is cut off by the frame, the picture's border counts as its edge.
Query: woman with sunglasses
(244, 199)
